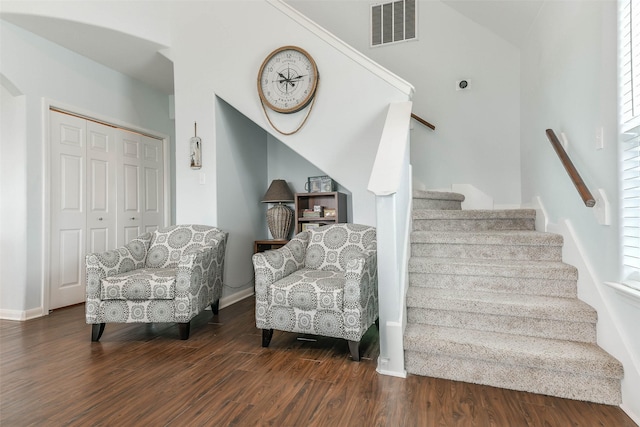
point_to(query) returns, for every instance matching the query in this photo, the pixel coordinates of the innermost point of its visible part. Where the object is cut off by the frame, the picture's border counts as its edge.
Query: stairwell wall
(569, 84)
(476, 140)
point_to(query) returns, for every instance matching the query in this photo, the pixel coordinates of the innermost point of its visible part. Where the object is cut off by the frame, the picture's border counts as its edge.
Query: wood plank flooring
(51, 374)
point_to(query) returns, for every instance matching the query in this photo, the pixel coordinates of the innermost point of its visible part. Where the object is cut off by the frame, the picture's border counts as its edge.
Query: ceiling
(140, 59)
(509, 19)
(130, 55)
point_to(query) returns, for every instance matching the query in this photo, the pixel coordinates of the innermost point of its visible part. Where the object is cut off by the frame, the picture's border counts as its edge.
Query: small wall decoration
(196, 149)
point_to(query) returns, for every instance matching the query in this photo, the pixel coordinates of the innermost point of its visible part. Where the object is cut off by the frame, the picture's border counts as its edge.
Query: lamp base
(279, 219)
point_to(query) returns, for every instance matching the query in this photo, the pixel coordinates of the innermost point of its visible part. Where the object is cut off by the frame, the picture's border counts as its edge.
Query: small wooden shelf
(329, 200)
(267, 245)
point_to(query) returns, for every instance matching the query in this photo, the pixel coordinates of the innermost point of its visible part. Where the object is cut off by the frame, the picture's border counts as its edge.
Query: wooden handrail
(423, 121)
(584, 192)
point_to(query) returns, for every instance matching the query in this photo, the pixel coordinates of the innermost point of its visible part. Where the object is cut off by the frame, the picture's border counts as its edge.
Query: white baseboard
(234, 298)
(21, 315)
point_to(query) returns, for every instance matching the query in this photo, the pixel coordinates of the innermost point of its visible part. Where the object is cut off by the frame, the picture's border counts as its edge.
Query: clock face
(287, 80)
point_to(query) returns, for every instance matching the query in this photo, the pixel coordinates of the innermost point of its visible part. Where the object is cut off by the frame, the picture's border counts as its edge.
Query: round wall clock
(287, 80)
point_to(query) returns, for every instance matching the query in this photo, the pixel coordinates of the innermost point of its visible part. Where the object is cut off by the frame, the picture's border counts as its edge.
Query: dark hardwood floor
(51, 374)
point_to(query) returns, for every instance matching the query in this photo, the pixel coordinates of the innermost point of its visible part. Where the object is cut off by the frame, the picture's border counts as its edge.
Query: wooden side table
(267, 245)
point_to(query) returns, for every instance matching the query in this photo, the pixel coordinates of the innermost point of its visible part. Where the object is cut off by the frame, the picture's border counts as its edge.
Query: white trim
(633, 295)
(47, 104)
(237, 297)
(22, 315)
(393, 364)
(347, 50)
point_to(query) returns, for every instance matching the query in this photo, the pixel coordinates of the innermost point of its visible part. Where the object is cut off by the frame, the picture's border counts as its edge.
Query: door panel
(101, 188)
(153, 183)
(129, 187)
(71, 183)
(68, 210)
(71, 245)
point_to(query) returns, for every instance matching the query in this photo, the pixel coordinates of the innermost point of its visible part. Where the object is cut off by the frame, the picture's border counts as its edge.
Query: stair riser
(474, 268)
(473, 224)
(524, 326)
(505, 252)
(437, 204)
(515, 377)
(523, 286)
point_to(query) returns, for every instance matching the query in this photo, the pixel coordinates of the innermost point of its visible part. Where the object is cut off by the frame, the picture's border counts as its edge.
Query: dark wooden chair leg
(96, 331)
(354, 348)
(184, 330)
(266, 337)
(378, 323)
(215, 306)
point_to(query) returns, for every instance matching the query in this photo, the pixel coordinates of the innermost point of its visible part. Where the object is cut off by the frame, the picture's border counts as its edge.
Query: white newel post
(391, 183)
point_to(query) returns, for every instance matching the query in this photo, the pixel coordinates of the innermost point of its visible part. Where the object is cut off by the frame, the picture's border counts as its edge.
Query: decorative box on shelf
(320, 184)
(310, 213)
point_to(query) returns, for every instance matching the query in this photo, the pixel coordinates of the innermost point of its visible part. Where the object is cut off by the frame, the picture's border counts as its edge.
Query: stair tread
(511, 237)
(503, 267)
(504, 348)
(437, 195)
(474, 214)
(501, 303)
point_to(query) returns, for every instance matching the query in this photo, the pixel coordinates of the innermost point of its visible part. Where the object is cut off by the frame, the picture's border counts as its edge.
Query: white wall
(42, 70)
(569, 84)
(13, 194)
(476, 140)
(215, 57)
(344, 128)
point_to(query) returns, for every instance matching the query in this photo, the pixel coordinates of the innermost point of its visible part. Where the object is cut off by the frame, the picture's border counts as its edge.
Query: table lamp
(279, 216)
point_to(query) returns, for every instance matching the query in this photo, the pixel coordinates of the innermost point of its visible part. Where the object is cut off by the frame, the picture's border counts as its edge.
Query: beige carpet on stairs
(491, 302)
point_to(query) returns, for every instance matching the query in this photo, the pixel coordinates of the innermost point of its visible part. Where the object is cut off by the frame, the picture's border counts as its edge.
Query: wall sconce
(279, 216)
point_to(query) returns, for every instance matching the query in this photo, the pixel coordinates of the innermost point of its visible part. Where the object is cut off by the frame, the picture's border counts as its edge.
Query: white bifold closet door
(106, 188)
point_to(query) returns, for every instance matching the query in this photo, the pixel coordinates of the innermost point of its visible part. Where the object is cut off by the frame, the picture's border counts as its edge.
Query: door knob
(100, 219)
(132, 218)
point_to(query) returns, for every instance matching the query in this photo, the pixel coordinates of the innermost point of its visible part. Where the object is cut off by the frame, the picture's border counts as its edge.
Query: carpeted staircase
(491, 302)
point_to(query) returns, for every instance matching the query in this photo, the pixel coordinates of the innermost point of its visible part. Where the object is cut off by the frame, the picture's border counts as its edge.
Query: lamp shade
(278, 192)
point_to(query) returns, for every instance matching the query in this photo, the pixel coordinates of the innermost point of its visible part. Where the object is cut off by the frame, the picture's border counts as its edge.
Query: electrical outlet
(564, 140)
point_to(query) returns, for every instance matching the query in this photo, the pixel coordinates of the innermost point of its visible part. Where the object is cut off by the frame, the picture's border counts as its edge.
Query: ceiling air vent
(393, 22)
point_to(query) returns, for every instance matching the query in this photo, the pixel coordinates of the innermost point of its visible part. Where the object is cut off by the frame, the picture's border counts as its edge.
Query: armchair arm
(361, 293)
(104, 264)
(273, 265)
(193, 282)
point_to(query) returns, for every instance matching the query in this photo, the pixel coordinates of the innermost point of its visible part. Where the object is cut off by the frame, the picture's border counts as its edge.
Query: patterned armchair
(169, 275)
(323, 282)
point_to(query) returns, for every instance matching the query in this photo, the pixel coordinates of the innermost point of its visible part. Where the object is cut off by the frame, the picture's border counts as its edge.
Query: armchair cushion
(141, 284)
(308, 289)
(170, 244)
(331, 248)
